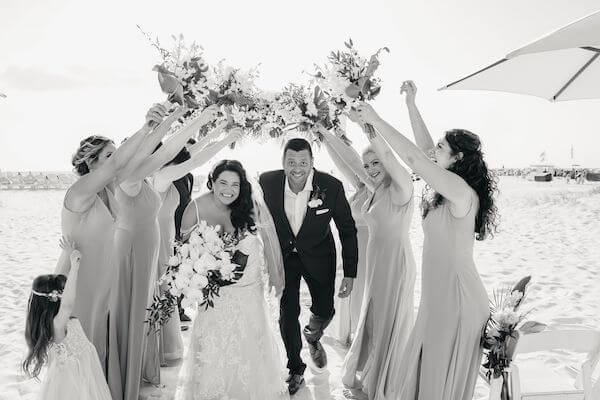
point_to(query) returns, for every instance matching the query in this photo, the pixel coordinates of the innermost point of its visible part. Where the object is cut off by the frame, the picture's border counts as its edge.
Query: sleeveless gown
(74, 370)
(171, 343)
(387, 309)
(137, 240)
(93, 230)
(442, 358)
(234, 351)
(349, 308)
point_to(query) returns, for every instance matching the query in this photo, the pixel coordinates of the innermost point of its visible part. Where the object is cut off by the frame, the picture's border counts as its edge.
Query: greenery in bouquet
(312, 111)
(199, 268)
(505, 325)
(348, 77)
(235, 92)
(183, 73)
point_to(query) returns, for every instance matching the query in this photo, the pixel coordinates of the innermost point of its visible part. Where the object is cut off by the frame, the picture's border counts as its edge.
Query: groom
(302, 202)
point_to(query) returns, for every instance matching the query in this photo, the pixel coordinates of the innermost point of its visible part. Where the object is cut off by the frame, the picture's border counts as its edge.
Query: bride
(234, 353)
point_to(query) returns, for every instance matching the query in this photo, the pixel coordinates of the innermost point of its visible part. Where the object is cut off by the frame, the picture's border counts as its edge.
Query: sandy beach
(548, 230)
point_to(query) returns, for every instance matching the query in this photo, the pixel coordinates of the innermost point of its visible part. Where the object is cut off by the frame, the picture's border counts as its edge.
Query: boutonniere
(317, 197)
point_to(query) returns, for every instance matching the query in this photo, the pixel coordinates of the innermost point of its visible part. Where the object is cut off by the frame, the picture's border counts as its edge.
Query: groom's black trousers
(322, 295)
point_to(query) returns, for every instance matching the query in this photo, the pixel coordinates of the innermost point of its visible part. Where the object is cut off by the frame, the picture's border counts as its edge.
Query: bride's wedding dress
(234, 352)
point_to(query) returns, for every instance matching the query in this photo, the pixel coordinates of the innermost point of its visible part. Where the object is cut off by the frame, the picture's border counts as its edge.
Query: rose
(194, 238)
(199, 281)
(173, 261)
(184, 250)
(211, 235)
(194, 253)
(201, 268)
(208, 261)
(185, 269)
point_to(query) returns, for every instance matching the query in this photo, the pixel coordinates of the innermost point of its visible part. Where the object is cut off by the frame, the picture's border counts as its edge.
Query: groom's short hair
(298, 144)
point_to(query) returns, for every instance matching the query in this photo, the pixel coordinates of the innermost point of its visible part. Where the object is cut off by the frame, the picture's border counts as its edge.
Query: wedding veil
(272, 249)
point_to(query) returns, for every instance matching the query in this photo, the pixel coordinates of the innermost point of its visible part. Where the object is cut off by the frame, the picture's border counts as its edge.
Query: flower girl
(74, 370)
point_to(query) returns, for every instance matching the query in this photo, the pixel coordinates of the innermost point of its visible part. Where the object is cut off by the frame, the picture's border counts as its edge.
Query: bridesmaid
(443, 355)
(387, 310)
(137, 241)
(349, 164)
(171, 344)
(88, 217)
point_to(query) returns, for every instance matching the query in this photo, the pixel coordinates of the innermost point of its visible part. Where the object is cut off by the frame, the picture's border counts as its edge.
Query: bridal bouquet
(198, 270)
(349, 78)
(507, 322)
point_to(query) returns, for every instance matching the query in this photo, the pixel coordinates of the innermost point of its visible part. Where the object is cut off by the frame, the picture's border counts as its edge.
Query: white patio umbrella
(564, 65)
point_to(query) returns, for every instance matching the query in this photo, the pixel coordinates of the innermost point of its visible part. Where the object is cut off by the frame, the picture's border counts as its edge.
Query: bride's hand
(410, 90)
(346, 287)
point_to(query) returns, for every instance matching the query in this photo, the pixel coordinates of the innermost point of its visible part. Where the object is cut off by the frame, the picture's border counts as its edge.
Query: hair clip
(53, 296)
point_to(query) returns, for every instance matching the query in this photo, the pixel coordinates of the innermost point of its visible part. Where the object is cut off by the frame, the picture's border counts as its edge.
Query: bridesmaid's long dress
(349, 308)
(137, 240)
(386, 317)
(442, 358)
(92, 230)
(170, 334)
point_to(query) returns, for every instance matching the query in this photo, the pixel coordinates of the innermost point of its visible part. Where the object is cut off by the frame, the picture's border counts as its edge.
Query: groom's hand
(346, 287)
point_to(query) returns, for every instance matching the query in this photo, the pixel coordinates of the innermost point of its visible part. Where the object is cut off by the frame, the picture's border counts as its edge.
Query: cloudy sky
(71, 68)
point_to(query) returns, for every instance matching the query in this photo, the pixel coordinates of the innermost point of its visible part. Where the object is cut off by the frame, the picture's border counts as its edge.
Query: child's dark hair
(39, 328)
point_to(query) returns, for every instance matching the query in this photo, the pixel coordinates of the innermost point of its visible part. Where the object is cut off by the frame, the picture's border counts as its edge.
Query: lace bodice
(73, 346)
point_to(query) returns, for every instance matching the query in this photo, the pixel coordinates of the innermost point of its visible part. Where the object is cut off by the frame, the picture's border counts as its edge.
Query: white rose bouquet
(198, 270)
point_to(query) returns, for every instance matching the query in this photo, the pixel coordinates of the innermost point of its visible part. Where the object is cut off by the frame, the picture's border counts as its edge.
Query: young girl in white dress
(53, 337)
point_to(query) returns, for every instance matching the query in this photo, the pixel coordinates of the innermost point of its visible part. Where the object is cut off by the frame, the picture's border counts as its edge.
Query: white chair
(532, 380)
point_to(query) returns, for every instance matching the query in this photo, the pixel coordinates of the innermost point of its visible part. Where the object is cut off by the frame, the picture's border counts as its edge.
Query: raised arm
(82, 193)
(171, 147)
(148, 146)
(69, 294)
(164, 177)
(448, 184)
(402, 185)
(420, 131)
(346, 160)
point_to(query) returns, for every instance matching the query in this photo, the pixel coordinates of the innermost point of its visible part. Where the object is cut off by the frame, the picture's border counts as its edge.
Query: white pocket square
(323, 211)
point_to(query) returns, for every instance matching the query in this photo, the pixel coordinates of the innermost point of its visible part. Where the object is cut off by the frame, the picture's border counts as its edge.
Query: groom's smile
(297, 166)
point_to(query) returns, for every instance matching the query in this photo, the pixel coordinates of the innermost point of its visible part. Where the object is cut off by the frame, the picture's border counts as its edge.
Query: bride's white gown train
(234, 351)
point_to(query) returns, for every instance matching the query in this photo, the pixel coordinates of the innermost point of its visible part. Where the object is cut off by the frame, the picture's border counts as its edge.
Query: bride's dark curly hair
(242, 209)
(474, 170)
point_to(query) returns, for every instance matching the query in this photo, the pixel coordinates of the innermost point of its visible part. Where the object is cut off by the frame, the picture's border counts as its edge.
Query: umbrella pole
(570, 82)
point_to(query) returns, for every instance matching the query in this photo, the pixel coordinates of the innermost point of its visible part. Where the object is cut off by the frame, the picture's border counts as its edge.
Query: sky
(72, 68)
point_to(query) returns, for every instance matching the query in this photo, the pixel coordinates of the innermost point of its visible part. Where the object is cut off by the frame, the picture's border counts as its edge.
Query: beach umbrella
(564, 65)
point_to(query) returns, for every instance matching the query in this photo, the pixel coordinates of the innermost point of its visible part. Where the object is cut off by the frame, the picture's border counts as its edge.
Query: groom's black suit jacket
(314, 242)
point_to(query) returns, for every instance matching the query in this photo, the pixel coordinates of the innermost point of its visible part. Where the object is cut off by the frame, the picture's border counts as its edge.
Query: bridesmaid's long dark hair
(473, 169)
(39, 327)
(242, 209)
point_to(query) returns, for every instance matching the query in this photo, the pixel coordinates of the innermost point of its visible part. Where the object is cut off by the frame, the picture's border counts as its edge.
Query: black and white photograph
(309, 200)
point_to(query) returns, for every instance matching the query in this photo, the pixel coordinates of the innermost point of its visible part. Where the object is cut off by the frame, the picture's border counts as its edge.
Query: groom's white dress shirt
(295, 204)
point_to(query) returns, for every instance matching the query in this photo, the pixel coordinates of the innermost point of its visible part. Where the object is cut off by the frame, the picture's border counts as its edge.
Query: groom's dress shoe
(317, 353)
(295, 382)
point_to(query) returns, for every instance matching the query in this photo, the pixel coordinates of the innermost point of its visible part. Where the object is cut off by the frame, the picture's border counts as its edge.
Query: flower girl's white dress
(74, 370)
(234, 352)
